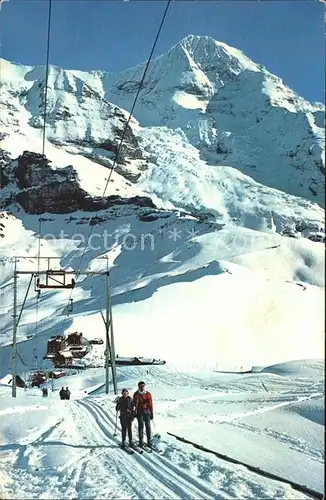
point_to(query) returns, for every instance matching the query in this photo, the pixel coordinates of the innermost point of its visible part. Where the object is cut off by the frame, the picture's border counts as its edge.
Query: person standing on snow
(125, 406)
(62, 393)
(67, 393)
(143, 403)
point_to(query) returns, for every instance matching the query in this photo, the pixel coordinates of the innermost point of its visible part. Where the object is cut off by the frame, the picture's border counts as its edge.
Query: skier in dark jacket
(125, 406)
(62, 393)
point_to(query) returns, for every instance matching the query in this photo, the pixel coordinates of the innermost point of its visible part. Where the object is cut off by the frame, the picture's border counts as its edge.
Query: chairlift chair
(55, 279)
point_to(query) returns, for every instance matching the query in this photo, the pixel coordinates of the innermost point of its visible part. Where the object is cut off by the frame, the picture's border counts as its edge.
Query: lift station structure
(62, 279)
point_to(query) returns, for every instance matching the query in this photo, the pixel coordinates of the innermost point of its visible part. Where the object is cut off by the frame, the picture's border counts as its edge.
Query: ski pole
(156, 434)
(116, 424)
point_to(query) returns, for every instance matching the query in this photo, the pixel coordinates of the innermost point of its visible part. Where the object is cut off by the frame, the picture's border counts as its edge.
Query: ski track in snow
(249, 383)
(296, 444)
(91, 464)
(31, 479)
(128, 467)
(178, 479)
(259, 409)
(165, 473)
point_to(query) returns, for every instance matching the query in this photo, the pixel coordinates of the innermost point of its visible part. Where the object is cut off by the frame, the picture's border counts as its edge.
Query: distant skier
(67, 393)
(143, 403)
(125, 406)
(62, 393)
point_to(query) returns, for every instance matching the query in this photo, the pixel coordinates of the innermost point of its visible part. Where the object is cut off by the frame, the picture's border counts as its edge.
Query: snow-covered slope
(217, 191)
(65, 449)
(213, 227)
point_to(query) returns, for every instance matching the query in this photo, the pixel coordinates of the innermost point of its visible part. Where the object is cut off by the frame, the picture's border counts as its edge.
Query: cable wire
(78, 272)
(42, 161)
(44, 127)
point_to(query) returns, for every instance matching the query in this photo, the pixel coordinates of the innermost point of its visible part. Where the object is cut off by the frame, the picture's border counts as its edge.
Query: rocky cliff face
(38, 188)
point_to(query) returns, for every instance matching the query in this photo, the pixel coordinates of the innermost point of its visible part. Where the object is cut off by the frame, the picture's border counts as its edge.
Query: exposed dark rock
(193, 89)
(96, 220)
(62, 114)
(128, 174)
(320, 165)
(221, 149)
(313, 190)
(108, 146)
(4, 162)
(319, 238)
(289, 233)
(3, 135)
(44, 189)
(2, 226)
(140, 201)
(301, 226)
(89, 92)
(128, 87)
(148, 217)
(32, 170)
(112, 149)
(128, 145)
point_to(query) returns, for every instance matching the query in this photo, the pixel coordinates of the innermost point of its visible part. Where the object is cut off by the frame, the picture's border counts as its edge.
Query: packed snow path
(149, 473)
(95, 467)
(68, 449)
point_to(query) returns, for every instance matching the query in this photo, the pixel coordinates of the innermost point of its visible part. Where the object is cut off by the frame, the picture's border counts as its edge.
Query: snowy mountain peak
(187, 76)
(205, 49)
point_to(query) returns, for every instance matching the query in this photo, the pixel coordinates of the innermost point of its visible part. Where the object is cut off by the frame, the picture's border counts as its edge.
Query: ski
(146, 448)
(153, 448)
(137, 448)
(127, 449)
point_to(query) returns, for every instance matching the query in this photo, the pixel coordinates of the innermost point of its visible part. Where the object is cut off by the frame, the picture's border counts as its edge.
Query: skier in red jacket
(143, 404)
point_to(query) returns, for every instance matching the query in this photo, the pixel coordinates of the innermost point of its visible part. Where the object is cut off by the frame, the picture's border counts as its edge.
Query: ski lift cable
(44, 130)
(37, 317)
(43, 153)
(99, 305)
(77, 274)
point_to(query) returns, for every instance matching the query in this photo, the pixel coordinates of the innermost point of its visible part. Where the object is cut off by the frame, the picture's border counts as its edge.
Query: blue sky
(287, 37)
